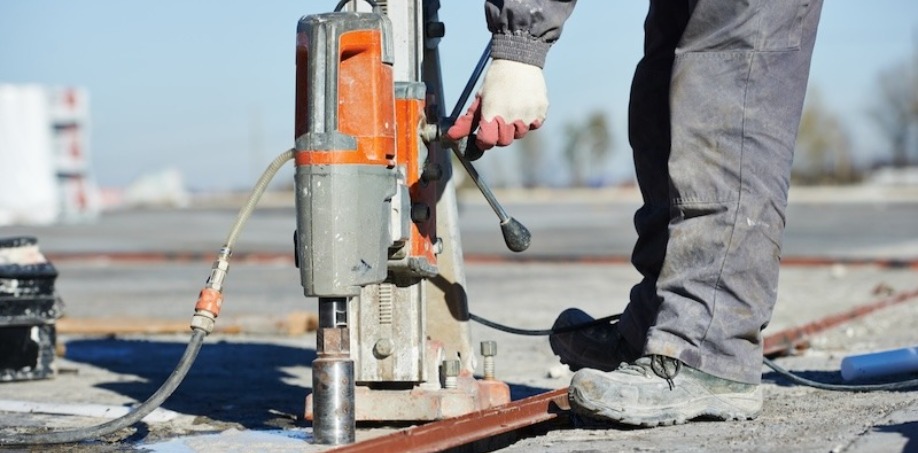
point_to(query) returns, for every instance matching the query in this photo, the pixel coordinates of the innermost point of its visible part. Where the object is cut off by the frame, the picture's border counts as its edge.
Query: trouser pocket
(744, 25)
(782, 24)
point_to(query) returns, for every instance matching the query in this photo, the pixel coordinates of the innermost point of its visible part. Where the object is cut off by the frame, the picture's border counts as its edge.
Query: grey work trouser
(715, 106)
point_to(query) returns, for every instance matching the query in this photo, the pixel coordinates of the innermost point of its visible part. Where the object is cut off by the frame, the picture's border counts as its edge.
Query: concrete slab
(256, 383)
(246, 391)
(898, 433)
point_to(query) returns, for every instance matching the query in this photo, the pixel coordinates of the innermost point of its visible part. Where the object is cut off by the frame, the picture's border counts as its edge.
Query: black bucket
(29, 306)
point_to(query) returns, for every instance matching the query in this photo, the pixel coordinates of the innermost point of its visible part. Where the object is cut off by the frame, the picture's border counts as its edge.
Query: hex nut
(489, 348)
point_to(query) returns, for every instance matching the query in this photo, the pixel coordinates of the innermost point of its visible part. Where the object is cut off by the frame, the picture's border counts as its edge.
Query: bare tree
(573, 136)
(823, 150)
(896, 113)
(531, 152)
(586, 146)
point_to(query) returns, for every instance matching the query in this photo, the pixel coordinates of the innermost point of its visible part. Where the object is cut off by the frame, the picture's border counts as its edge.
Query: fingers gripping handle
(469, 148)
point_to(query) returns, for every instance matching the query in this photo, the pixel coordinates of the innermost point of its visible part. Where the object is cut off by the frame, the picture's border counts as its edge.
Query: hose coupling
(219, 270)
(210, 300)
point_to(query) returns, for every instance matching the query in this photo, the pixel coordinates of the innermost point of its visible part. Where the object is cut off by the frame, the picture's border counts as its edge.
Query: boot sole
(725, 407)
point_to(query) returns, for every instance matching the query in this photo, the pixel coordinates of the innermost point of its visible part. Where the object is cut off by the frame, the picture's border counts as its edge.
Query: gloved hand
(513, 100)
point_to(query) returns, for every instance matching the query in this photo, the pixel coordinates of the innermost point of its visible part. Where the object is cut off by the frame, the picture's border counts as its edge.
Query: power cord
(901, 385)
(543, 332)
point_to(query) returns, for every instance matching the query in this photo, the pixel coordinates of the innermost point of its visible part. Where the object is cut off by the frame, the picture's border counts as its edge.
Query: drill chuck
(334, 419)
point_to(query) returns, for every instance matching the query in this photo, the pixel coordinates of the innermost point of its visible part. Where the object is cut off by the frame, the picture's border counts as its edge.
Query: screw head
(383, 348)
(489, 348)
(432, 172)
(420, 212)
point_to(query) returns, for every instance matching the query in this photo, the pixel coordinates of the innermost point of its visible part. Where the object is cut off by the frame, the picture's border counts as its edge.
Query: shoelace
(666, 367)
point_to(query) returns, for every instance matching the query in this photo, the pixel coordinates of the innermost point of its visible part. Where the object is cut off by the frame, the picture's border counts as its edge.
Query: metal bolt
(451, 374)
(429, 132)
(432, 172)
(420, 212)
(382, 348)
(435, 29)
(488, 351)
(438, 246)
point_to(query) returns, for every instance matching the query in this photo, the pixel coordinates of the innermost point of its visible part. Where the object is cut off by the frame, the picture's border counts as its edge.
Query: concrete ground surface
(245, 393)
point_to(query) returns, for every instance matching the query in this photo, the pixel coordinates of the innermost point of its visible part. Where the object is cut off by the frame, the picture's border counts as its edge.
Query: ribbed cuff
(519, 48)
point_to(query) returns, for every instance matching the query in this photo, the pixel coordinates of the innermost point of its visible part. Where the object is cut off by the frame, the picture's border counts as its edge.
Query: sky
(206, 87)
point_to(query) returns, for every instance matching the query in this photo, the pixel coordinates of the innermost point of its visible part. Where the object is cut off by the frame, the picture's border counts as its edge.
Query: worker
(715, 106)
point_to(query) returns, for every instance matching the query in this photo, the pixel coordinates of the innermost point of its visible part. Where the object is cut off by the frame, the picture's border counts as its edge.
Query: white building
(45, 171)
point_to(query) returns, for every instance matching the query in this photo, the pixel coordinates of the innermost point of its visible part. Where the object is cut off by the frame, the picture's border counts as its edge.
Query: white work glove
(513, 100)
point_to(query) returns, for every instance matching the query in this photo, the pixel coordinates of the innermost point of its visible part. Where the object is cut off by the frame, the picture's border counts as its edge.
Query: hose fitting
(210, 300)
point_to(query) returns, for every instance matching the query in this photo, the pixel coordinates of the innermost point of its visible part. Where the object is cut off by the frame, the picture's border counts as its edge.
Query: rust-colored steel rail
(454, 432)
(457, 431)
(790, 338)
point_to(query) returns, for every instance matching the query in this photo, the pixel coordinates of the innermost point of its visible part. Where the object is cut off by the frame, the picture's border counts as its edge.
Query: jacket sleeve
(524, 30)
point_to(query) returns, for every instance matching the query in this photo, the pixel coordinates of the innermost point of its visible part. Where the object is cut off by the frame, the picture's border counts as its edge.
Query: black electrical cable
(902, 385)
(104, 429)
(543, 332)
(341, 4)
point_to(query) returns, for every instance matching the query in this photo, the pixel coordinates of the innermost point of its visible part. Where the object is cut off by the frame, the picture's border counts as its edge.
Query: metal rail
(786, 340)
(453, 432)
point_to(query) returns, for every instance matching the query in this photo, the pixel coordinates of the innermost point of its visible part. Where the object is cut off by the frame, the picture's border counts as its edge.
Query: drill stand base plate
(420, 404)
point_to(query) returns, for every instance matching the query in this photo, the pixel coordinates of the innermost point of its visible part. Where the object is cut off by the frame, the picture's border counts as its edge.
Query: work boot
(599, 347)
(658, 390)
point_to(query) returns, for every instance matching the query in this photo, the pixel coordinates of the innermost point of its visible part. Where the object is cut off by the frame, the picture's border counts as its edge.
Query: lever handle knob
(516, 235)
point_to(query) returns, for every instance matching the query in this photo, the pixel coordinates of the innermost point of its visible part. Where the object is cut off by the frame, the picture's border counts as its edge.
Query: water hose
(202, 324)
